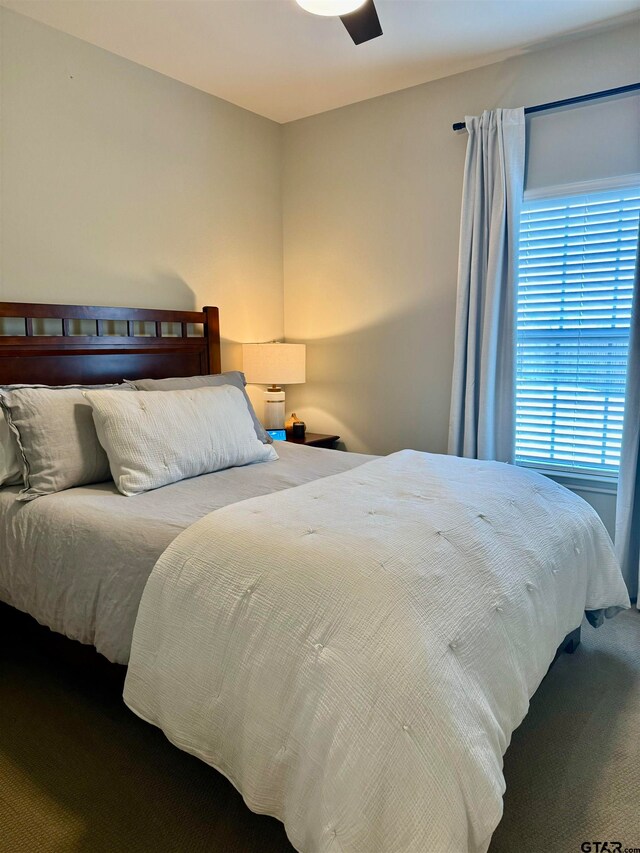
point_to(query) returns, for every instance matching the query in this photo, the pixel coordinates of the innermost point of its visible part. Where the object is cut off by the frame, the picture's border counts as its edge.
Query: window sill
(605, 484)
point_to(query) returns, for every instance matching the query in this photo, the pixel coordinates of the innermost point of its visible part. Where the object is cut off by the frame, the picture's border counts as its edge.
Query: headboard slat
(40, 310)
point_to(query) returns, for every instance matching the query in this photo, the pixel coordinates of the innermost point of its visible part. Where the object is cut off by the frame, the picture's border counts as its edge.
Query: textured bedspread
(78, 560)
(355, 653)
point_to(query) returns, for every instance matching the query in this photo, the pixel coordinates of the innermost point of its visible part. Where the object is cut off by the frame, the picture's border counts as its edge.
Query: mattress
(78, 561)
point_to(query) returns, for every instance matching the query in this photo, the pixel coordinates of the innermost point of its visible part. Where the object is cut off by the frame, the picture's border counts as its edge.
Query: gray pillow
(10, 466)
(56, 438)
(11, 463)
(185, 383)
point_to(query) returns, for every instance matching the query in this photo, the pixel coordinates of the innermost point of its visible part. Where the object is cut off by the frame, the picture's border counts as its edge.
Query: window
(575, 286)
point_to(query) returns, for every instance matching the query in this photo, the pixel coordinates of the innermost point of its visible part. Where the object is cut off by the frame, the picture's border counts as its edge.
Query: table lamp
(274, 364)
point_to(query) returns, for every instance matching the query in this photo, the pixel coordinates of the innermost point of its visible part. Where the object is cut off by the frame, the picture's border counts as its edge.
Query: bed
(351, 640)
(79, 560)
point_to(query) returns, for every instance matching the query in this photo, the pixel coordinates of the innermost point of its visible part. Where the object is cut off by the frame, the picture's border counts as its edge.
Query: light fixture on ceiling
(359, 17)
(330, 7)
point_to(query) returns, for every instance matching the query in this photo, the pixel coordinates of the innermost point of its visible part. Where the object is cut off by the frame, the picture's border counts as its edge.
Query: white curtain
(482, 424)
(628, 504)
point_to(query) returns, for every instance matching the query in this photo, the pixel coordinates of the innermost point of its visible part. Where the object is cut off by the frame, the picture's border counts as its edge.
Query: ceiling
(277, 60)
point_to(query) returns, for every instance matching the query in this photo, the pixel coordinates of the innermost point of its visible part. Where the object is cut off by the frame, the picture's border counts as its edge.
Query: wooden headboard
(119, 343)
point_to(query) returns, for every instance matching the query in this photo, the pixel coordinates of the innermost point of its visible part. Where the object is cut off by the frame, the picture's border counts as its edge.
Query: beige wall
(371, 218)
(123, 187)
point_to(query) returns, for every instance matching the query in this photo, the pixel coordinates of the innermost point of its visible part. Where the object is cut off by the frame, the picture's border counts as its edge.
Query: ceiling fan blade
(363, 24)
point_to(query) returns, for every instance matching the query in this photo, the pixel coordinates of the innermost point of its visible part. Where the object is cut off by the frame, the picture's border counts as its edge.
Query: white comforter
(355, 653)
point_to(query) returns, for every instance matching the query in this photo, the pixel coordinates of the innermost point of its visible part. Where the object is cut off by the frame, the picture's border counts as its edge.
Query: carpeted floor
(78, 772)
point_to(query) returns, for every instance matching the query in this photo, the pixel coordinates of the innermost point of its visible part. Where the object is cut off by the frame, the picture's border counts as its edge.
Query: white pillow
(183, 383)
(157, 437)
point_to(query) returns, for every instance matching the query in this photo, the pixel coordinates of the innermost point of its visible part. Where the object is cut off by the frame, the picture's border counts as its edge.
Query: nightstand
(316, 439)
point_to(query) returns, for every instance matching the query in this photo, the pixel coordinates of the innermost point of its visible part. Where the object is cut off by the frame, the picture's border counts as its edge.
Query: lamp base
(274, 408)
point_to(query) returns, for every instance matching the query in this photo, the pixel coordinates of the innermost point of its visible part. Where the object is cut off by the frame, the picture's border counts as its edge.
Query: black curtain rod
(579, 99)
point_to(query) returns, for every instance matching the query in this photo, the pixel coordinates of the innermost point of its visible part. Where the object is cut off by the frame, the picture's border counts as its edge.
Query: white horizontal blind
(575, 287)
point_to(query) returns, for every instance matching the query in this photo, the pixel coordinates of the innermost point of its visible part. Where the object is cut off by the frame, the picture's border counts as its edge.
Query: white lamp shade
(274, 364)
